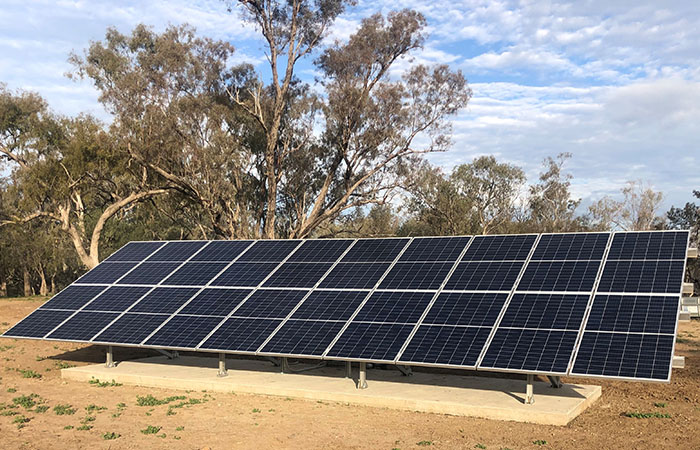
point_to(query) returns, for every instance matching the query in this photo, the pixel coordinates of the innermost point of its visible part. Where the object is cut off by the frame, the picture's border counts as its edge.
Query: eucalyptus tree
(637, 210)
(552, 207)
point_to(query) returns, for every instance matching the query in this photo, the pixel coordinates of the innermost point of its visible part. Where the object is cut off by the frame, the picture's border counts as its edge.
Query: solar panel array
(588, 304)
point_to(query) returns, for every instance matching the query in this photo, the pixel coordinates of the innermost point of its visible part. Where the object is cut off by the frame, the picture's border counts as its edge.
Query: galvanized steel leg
(285, 366)
(556, 381)
(222, 365)
(362, 382)
(530, 396)
(110, 358)
(348, 369)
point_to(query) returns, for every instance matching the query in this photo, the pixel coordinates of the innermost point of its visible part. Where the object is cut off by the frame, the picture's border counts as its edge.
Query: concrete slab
(491, 398)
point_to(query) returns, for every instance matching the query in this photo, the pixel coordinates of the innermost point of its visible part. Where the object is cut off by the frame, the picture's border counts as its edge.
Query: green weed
(11, 390)
(110, 436)
(648, 415)
(26, 373)
(98, 383)
(150, 400)
(424, 443)
(41, 408)
(151, 430)
(481, 446)
(93, 408)
(26, 401)
(64, 410)
(68, 427)
(539, 442)
(661, 405)
(84, 428)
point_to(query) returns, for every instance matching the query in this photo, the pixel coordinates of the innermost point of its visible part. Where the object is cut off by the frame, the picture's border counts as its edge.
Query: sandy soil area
(32, 394)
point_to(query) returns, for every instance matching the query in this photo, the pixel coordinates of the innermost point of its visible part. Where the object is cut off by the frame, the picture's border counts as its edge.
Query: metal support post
(529, 394)
(555, 380)
(348, 369)
(222, 365)
(285, 366)
(110, 358)
(405, 370)
(362, 382)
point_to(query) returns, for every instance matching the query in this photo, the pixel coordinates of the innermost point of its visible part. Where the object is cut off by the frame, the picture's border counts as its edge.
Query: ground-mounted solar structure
(568, 304)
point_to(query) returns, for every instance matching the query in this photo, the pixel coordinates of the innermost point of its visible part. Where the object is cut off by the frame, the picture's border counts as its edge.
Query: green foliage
(26, 373)
(647, 415)
(660, 405)
(11, 390)
(84, 427)
(68, 427)
(150, 400)
(41, 408)
(26, 401)
(424, 443)
(539, 442)
(98, 383)
(64, 410)
(151, 430)
(110, 436)
(94, 408)
(481, 446)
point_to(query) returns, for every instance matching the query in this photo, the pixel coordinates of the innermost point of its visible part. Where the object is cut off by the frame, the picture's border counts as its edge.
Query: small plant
(661, 405)
(9, 412)
(84, 428)
(256, 410)
(95, 408)
(110, 436)
(41, 408)
(648, 415)
(21, 419)
(482, 446)
(26, 401)
(151, 430)
(68, 427)
(121, 405)
(64, 410)
(180, 428)
(98, 383)
(87, 419)
(162, 436)
(26, 373)
(539, 442)
(424, 443)
(150, 400)
(41, 358)
(11, 390)
(63, 365)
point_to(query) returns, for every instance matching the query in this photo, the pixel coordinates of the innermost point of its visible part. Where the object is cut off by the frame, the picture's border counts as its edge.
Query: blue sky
(617, 83)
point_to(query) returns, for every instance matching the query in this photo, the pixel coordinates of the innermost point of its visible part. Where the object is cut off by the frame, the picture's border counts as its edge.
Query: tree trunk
(3, 288)
(44, 288)
(27, 283)
(53, 284)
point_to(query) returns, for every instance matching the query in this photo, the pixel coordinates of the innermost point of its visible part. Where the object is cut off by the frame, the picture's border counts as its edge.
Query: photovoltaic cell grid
(258, 300)
(630, 331)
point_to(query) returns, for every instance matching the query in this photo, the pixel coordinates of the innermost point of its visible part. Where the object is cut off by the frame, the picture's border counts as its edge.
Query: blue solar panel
(435, 249)
(447, 345)
(321, 250)
(646, 356)
(194, 274)
(543, 351)
(551, 311)
(371, 341)
(106, 273)
(303, 337)
(131, 328)
(267, 303)
(177, 251)
(38, 323)
(633, 313)
(215, 302)
(164, 300)
(577, 246)
(479, 309)
(570, 276)
(330, 305)
(135, 251)
(183, 331)
(297, 275)
(221, 251)
(269, 251)
(149, 273)
(416, 275)
(73, 297)
(244, 274)
(117, 299)
(484, 276)
(649, 245)
(375, 250)
(664, 277)
(500, 248)
(354, 275)
(401, 307)
(83, 326)
(242, 335)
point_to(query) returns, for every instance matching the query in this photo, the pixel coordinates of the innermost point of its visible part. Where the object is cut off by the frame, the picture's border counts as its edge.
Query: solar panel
(584, 304)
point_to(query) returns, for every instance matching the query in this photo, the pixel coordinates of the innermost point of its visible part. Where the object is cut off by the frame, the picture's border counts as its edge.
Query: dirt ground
(31, 388)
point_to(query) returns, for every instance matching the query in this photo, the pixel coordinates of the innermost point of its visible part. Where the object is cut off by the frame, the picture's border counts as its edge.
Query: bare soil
(221, 421)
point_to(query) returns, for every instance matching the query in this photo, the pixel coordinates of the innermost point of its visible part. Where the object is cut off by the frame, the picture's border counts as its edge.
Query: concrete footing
(491, 398)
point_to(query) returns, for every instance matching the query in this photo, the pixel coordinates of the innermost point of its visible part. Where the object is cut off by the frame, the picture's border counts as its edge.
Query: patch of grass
(195, 401)
(63, 365)
(26, 373)
(660, 405)
(6, 347)
(180, 428)
(98, 383)
(41, 408)
(84, 428)
(64, 410)
(21, 420)
(87, 419)
(68, 427)
(9, 412)
(647, 415)
(111, 435)
(121, 405)
(540, 442)
(150, 400)
(26, 401)
(11, 390)
(162, 436)
(256, 410)
(482, 446)
(151, 430)
(94, 408)
(424, 443)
